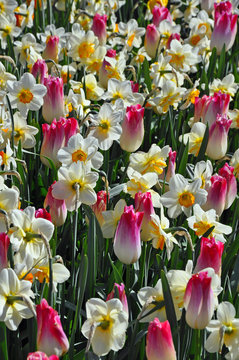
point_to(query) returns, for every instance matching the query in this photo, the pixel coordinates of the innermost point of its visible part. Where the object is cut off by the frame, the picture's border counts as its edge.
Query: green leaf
(183, 161)
(92, 256)
(203, 146)
(117, 275)
(147, 79)
(212, 65)
(3, 342)
(221, 65)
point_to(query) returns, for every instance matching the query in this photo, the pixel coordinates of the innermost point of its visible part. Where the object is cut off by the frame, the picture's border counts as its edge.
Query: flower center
(25, 96)
(104, 126)
(42, 274)
(85, 49)
(201, 227)
(177, 59)
(79, 155)
(4, 157)
(186, 199)
(131, 39)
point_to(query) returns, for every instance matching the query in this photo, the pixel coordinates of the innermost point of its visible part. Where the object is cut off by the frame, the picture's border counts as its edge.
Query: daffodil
(111, 219)
(235, 163)
(194, 138)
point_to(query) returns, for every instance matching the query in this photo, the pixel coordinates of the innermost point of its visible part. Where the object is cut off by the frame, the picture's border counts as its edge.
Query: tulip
(99, 27)
(127, 245)
(227, 172)
(57, 208)
(103, 73)
(51, 338)
(159, 342)
(53, 105)
(171, 164)
(39, 70)
(161, 13)
(225, 27)
(4, 245)
(100, 206)
(210, 255)
(132, 128)
(56, 136)
(119, 292)
(42, 213)
(134, 86)
(151, 42)
(217, 142)
(217, 192)
(172, 37)
(143, 202)
(51, 50)
(199, 301)
(39, 355)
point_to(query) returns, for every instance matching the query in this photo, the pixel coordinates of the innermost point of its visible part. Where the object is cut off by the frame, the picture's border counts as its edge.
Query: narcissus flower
(194, 138)
(127, 242)
(111, 219)
(159, 342)
(51, 338)
(109, 322)
(235, 163)
(25, 94)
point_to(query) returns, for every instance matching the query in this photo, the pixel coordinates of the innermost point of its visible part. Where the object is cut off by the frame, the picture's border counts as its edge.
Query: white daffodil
(132, 32)
(183, 57)
(203, 170)
(83, 45)
(227, 85)
(161, 71)
(93, 91)
(8, 27)
(28, 49)
(111, 218)
(77, 102)
(9, 200)
(166, 29)
(25, 94)
(4, 77)
(13, 292)
(76, 185)
(25, 233)
(107, 126)
(6, 159)
(202, 221)
(152, 161)
(235, 163)
(234, 116)
(7, 7)
(224, 330)
(109, 321)
(194, 138)
(95, 61)
(80, 149)
(138, 182)
(182, 195)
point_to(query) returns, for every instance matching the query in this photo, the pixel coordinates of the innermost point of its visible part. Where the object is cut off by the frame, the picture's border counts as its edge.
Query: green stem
(197, 344)
(3, 342)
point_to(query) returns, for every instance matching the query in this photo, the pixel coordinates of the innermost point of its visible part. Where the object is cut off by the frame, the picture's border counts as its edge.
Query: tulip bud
(119, 293)
(132, 128)
(39, 355)
(161, 13)
(143, 202)
(57, 208)
(159, 342)
(39, 70)
(225, 27)
(42, 213)
(227, 172)
(151, 42)
(210, 255)
(53, 105)
(100, 206)
(199, 301)
(127, 244)
(217, 142)
(217, 192)
(4, 245)
(51, 50)
(56, 136)
(99, 27)
(51, 338)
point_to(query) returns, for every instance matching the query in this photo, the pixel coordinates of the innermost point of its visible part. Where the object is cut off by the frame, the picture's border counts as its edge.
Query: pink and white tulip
(159, 342)
(120, 292)
(151, 42)
(39, 70)
(161, 13)
(127, 244)
(57, 208)
(217, 192)
(227, 172)
(51, 338)
(218, 134)
(143, 202)
(199, 301)
(210, 255)
(39, 355)
(51, 49)
(53, 105)
(4, 245)
(100, 205)
(99, 27)
(132, 128)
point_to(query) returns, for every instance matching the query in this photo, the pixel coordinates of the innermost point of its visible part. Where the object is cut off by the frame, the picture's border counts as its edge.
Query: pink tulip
(132, 128)
(199, 301)
(171, 165)
(172, 37)
(51, 338)
(225, 27)
(100, 206)
(38, 355)
(4, 245)
(56, 136)
(217, 192)
(161, 13)
(99, 27)
(57, 208)
(53, 105)
(119, 293)
(159, 342)
(218, 134)
(127, 244)
(210, 255)
(39, 70)
(42, 213)
(151, 41)
(143, 202)
(51, 50)
(134, 86)
(227, 172)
